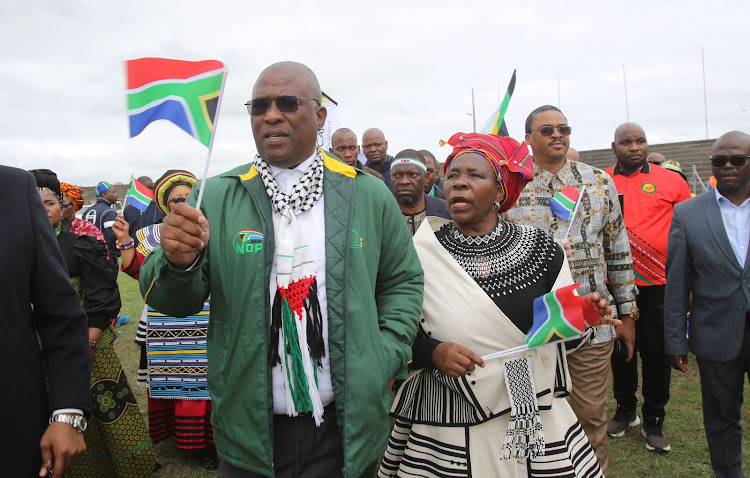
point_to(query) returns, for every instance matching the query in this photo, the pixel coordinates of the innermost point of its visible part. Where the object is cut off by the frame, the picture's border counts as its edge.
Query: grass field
(629, 458)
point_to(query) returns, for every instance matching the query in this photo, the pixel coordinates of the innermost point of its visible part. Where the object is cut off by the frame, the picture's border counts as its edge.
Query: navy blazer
(39, 305)
(700, 260)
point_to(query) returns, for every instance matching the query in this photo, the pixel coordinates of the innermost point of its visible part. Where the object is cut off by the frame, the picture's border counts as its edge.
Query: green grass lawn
(629, 457)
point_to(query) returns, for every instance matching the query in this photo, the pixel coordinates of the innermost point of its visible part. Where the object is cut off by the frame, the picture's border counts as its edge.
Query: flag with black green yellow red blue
(560, 315)
(138, 195)
(183, 92)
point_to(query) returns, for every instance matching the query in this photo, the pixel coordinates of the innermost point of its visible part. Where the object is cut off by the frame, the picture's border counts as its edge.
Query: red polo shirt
(648, 198)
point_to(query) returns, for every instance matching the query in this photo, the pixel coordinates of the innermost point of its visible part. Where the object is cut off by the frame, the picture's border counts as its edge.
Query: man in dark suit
(707, 256)
(45, 354)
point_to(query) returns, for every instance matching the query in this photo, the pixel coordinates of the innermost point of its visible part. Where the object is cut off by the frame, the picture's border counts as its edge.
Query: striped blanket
(177, 360)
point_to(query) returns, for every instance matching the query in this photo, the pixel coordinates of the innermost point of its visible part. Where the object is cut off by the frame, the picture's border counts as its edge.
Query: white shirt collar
(300, 168)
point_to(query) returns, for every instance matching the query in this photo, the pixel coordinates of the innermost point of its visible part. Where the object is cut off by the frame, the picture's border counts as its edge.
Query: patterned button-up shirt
(597, 237)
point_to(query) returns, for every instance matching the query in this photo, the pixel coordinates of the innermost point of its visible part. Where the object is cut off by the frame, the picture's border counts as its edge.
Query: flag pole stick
(506, 352)
(211, 142)
(127, 198)
(575, 209)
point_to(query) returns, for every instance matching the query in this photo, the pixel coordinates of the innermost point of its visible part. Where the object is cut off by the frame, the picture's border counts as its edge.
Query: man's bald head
(146, 181)
(344, 146)
(736, 139)
(303, 72)
(630, 147)
(573, 155)
(341, 131)
(732, 181)
(656, 158)
(375, 147)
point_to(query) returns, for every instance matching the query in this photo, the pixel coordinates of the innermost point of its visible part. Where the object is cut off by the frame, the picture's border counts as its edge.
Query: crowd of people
(312, 295)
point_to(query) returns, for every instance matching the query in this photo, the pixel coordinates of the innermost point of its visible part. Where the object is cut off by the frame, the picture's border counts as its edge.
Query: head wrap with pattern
(165, 185)
(510, 160)
(75, 195)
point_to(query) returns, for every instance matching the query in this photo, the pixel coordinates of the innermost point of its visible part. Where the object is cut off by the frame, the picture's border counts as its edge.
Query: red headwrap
(510, 160)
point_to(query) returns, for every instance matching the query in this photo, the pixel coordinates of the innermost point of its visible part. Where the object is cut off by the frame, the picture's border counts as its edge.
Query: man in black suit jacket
(40, 306)
(707, 256)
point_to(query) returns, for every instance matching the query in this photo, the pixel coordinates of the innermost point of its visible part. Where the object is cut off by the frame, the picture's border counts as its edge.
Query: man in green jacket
(315, 288)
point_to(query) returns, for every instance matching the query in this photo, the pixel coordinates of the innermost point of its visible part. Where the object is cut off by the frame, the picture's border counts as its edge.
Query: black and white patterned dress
(479, 293)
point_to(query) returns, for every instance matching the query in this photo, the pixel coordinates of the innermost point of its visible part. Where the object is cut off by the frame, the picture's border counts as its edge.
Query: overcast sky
(406, 67)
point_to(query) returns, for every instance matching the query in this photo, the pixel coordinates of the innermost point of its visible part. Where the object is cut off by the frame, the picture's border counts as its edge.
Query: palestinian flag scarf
(296, 318)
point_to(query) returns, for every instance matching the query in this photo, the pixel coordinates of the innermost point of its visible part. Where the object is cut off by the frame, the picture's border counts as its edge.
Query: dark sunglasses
(285, 104)
(178, 200)
(564, 130)
(720, 161)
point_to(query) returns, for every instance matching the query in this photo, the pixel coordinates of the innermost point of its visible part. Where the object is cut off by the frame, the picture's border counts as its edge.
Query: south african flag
(183, 92)
(560, 315)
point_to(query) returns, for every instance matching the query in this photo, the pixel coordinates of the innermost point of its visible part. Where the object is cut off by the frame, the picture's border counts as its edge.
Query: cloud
(406, 67)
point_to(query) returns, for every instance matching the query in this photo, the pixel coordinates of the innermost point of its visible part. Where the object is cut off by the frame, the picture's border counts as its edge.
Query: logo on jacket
(357, 241)
(649, 188)
(248, 241)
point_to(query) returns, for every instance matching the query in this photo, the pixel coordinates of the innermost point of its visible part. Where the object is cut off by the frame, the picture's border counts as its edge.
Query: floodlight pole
(705, 100)
(625, 82)
(473, 111)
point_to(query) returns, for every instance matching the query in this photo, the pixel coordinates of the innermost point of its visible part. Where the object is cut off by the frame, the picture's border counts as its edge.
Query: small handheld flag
(560, 315)
(496, 123)
(139, 196)
(565, 202)
(186, 93)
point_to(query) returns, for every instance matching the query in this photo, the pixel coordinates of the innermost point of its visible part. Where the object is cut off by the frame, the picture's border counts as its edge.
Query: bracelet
(126, 246)
(93, 342)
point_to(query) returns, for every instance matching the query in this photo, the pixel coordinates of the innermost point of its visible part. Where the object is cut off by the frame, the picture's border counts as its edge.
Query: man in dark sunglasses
(599, 253)
(649, 195)
(316, 291)
(708, 283)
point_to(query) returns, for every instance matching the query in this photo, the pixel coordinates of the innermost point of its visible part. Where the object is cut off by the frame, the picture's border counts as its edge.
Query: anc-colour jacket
(374, 286)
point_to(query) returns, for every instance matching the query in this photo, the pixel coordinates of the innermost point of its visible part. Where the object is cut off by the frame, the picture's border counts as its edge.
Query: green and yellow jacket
(374, 286)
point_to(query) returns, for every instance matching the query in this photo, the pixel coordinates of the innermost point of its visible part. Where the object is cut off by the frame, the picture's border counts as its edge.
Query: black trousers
(722, 387)
(302, 450)
(655, 367)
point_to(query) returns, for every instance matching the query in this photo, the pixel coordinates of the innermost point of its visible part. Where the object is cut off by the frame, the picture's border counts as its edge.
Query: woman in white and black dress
(457, 415)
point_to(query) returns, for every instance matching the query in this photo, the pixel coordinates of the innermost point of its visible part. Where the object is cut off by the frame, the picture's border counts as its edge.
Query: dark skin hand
(184, 234)
(626, 331)
(456, 360)
(62, 445)
(679, 362)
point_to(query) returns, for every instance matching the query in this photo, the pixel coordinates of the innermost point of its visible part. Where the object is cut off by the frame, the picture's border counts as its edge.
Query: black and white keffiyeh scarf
(296, 317)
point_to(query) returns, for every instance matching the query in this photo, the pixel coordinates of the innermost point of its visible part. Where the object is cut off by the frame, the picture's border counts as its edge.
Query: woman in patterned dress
(458, 414)
(117, 440)
(178, 403)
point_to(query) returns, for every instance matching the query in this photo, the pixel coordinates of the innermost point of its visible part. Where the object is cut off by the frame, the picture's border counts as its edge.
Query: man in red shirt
(648, 194)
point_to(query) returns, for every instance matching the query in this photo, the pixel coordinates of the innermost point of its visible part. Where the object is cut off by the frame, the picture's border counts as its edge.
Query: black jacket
(45, 353)
(101, 214)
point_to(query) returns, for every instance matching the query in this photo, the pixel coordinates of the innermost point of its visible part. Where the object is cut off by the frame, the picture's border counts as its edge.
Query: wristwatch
(634, 311)
(76, 421)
